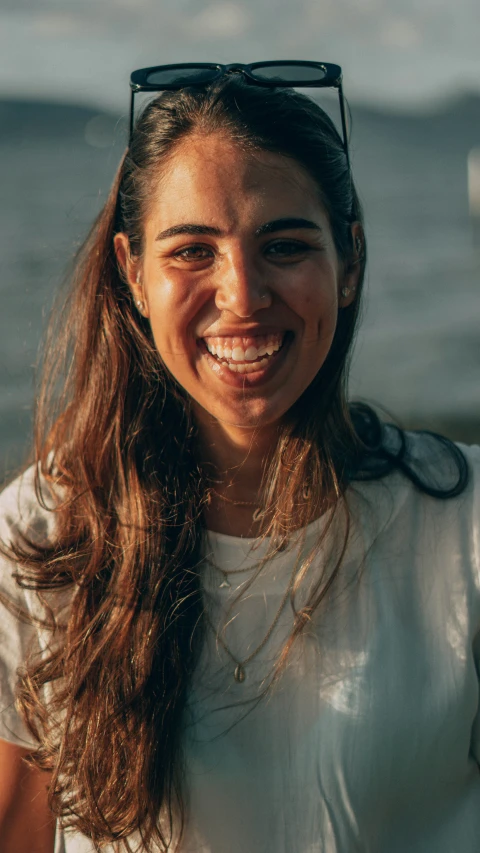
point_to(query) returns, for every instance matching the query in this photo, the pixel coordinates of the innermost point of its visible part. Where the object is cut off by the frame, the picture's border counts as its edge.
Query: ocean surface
(418, 351)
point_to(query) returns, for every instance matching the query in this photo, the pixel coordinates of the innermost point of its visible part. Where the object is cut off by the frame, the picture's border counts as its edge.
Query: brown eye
(193, 253)
(286, 248)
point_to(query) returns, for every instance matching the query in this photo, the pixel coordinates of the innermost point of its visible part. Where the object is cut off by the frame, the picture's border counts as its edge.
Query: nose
(242, 288)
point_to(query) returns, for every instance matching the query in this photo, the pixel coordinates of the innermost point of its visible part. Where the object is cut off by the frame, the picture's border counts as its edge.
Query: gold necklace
(239, 671)
(231, 501)
(225, 572)
(259, 513)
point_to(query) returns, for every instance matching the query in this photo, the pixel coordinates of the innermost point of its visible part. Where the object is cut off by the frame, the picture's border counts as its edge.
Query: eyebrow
(188, 229)
(285, 224)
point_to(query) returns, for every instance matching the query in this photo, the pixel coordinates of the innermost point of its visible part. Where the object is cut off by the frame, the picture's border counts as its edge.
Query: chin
(254, 417)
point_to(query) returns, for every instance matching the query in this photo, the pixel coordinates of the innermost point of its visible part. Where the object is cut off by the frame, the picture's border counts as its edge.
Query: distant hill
(455, 122)
(458, 118)
(22, 119)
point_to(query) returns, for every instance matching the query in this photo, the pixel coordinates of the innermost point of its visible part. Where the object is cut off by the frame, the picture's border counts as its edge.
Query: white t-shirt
(370, 742)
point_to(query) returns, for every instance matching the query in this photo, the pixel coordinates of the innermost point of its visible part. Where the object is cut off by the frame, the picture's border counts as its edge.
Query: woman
(257, 607)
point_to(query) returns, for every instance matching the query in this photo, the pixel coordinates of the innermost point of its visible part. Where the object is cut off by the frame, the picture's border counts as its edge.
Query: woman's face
(239, 279)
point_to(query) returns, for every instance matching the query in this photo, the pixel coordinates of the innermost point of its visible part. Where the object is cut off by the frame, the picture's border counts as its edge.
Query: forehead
(210, 178)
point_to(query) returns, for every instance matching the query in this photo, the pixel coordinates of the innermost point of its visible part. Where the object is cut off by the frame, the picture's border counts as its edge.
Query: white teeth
(269, 349)
(247, 368)
(241, 356)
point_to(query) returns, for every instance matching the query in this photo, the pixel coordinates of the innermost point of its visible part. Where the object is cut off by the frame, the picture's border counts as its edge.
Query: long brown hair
(116, 440)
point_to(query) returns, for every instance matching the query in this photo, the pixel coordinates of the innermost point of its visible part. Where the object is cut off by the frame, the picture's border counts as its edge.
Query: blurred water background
(412, 71)
(418, 352)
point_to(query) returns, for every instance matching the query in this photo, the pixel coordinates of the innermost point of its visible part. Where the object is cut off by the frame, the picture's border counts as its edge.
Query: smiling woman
(249, 279)
(245, 611)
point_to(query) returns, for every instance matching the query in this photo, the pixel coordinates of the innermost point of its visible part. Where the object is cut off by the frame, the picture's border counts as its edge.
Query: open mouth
(245, 354)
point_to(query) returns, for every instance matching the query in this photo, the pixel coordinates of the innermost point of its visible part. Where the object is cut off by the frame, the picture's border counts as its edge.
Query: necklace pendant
(239, 674)
(224, 584)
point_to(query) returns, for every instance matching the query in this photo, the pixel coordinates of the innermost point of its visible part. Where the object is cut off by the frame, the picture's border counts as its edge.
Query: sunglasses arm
(343, 116)
(130, 130)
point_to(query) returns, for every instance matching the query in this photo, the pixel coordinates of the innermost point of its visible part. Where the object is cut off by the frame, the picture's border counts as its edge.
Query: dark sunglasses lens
(289, 73)
(180, 76)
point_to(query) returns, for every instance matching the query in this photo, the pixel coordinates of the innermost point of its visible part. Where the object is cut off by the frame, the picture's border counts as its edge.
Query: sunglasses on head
(268, 74)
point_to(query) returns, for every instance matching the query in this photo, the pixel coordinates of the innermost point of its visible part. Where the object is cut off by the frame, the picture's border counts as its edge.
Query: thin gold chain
(232, 571)
(231, 501)
(239, 673)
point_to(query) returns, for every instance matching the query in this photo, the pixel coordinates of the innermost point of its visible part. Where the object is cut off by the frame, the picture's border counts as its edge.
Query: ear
(130, 266)
(353, 268)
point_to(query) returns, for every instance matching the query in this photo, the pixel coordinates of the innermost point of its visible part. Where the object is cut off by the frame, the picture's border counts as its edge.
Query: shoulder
(435, 512)
(424, 463)
(471, 453)
(26, 510)
(441, 474)
(26, 506)
(469, 500)
(20, 513)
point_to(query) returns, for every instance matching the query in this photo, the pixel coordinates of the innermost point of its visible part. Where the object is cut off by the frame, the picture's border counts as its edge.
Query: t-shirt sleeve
(475, 466)
(17, 637)
(473, 456)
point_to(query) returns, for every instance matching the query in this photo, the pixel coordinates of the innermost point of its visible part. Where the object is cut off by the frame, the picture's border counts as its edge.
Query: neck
(237, 456)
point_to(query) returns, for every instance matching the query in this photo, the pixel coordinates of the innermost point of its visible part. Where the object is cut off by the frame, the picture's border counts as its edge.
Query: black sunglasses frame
(332, 79)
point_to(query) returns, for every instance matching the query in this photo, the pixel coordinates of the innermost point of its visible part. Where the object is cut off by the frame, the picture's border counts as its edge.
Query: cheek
(319, 309)
(171, 310)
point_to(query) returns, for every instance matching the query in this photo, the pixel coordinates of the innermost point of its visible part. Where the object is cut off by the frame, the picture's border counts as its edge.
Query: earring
(346, 291)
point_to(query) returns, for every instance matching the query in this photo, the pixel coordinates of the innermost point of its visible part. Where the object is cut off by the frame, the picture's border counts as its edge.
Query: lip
(241, 331)
(246, 380)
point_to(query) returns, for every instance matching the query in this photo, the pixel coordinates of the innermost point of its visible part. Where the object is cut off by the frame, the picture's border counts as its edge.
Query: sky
(399, 53)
